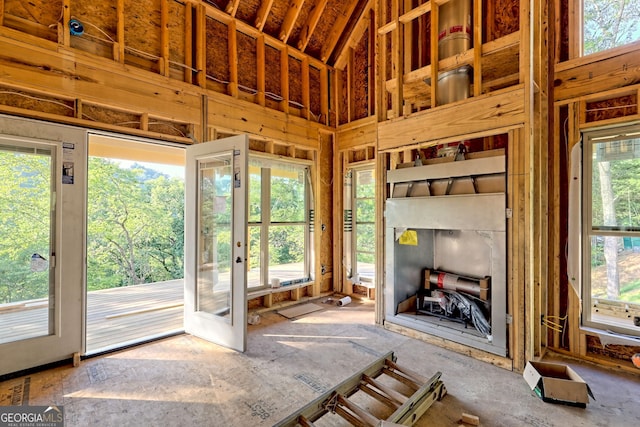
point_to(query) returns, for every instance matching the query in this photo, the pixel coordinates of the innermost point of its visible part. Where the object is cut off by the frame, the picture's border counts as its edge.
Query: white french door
(39, 313)
(216, 184)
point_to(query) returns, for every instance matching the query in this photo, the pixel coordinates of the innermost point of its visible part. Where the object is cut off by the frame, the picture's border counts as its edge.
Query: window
(360, 216)
(611, 229)
(279, 226)
(609, 23)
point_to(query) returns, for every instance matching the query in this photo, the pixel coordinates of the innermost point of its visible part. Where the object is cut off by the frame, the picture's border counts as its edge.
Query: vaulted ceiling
(318, 28)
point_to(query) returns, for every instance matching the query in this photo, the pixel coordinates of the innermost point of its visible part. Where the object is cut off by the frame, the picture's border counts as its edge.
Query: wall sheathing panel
(100, 23)
(142, 33)
(324, 27)
(177, 33)
(247, 10)
(272, 72)
(247, 61)
(295, 83)
(217, 51)
(276, 17)
(303, 16)
(612, 108)
(360, 78)
(36, 102)
(43, 15)
(501, 18)
(314, 94)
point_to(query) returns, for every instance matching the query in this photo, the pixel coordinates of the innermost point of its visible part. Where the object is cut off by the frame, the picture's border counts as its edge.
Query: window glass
(287, 194)
(616, 185)
(609, 23)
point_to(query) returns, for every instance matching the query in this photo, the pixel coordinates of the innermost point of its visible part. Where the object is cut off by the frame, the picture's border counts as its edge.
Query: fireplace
(445, 248)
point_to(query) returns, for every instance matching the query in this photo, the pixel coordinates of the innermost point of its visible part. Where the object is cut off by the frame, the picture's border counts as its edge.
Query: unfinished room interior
(320, 212)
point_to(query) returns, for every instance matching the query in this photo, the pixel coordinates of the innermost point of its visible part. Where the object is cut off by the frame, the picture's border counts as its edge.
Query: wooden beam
(324, 95)
(164, 38)
(284, 80)
(337, 31)
(397, 62)
(65, 37)
(575, 29)
(416, 12)
(502, 109)
(371, 64)
(407, 49)
(201, 43)
(354, 38)
(312, 21)
(435, 17)
(295, 6)
(263, 13)
(260, 72)
(232, 7)
(477, 47)
(306, 96)
(350, 80)
(233, 59)
(118, 48)
(188, 42)
(247, 29)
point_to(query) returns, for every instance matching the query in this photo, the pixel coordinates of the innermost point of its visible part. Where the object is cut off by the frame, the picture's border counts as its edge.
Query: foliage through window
(135, 222)
(611, 221)
(609, 23)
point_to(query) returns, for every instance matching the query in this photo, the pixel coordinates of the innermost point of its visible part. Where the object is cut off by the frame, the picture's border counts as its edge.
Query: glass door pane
(215, 192)
(26, 230)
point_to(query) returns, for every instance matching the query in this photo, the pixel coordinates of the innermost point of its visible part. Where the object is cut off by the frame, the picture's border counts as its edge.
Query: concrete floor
(184, 381)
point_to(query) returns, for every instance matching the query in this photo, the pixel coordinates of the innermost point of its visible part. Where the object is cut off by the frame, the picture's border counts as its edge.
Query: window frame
(265, 224)
(589, 230)
(353, 250)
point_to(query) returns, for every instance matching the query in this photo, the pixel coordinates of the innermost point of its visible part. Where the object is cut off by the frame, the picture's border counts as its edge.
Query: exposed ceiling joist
(338, 28)
(290, 19)
(263, 13)
(310, 25)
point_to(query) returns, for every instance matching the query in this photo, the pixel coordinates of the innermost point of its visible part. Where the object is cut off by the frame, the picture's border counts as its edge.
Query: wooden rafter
(263, 12)
(253, 32)
(232, 7)
(354, 38)
(312, 21)
(290, 19)
(338, 29)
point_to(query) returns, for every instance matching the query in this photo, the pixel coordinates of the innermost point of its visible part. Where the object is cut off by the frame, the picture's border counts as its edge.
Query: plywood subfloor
(299, 310)
(183, 380)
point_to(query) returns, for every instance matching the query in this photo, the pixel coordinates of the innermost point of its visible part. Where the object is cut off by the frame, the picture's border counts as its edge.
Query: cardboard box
(557, 383)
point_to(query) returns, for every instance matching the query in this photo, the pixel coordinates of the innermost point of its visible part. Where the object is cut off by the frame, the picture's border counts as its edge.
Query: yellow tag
(409, 237)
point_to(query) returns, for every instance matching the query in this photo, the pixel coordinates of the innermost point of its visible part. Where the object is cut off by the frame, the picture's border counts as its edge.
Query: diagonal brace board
(427, 392)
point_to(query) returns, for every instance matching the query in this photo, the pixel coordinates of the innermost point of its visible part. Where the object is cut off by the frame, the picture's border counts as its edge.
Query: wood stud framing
(401, 106)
